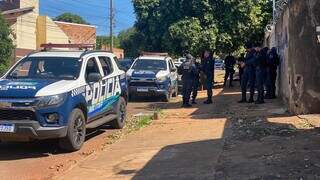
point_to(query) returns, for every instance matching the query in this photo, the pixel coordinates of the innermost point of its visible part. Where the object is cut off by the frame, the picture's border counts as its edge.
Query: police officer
(188, 72)
(240, 61)
(248, 74)
(196, 82)
(229, 62)
(208, 70)
(273, 62)
(261, 72)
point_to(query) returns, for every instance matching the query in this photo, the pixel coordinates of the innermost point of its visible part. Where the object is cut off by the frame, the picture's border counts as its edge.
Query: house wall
(295, 37)
(54, 33)
(116, 51)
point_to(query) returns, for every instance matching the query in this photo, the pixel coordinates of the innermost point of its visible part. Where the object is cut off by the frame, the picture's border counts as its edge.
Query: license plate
(142, 89)
(8, 128)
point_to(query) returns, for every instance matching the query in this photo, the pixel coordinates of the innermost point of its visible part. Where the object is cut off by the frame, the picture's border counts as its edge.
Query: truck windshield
(65, 68)
(147, 64)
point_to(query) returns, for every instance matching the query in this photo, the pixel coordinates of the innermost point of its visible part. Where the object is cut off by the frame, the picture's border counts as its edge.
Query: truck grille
(143, 84)
(8, 115)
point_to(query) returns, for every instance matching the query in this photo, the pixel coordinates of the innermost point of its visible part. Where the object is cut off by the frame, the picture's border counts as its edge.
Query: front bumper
(26, 130)
(150, 91)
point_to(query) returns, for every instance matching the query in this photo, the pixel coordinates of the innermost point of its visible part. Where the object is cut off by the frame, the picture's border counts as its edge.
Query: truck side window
(92, 67)
(106, 65)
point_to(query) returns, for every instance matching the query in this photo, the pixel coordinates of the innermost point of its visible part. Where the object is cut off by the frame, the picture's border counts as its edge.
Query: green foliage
(6, 45)
(177, 26)
(71, 18)
(131, 41)
(105, 40)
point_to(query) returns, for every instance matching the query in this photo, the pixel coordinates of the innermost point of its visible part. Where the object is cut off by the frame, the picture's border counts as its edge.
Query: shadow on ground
(259, 142)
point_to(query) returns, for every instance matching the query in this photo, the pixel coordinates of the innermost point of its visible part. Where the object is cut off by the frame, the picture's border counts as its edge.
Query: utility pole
(274, 10)
(111, 25)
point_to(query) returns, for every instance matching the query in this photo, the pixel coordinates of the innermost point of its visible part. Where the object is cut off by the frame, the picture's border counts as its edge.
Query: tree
(194, 25)
(131, 41)
(71, 18)
(6, 45)
(105, 40)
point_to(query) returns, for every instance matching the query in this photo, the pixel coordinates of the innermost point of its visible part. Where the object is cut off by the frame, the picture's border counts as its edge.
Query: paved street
(220, 141)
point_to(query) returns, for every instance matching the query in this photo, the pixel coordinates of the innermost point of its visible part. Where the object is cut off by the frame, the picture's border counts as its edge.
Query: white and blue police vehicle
(153, 75)
(59, 94)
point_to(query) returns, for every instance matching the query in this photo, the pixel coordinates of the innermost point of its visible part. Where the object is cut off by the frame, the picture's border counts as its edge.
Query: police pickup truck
(153, 75)
(58, 95)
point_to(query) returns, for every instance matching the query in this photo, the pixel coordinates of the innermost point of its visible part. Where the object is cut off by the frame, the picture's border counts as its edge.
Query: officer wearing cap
(208, 70)
(248, 74)
(188, 72)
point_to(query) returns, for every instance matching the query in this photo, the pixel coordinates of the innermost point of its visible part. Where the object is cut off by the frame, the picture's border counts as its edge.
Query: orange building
(117, 51)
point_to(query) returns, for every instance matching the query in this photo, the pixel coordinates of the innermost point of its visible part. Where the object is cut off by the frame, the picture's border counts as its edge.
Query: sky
(96, 12)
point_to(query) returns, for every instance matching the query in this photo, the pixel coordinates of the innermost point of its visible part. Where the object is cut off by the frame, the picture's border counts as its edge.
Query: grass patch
(143, 122)
(132, 124)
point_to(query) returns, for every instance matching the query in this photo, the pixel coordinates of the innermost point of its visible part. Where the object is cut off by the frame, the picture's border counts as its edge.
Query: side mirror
(94, 77)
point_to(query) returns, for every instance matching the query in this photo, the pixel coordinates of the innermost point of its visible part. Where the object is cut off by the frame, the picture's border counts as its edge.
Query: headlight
(161, 79)
(46, 101)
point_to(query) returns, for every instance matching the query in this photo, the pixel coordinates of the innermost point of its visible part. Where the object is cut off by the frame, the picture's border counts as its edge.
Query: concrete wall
(295, 37)
(26, 26)
(54, 33)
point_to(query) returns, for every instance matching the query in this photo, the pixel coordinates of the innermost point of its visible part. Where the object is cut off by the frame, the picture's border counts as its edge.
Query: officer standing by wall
(196, 82)
(273, 62)
(208, 70)
(188, 72)
(229, 62)
(248, 74)
(261, 72)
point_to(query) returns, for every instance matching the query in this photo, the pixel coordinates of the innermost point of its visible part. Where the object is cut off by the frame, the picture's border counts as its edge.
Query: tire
(175, 94)
(76, 132)
(121, 110)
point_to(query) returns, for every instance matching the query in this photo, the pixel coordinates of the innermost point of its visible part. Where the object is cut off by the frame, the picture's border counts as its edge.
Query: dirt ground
(224, 140)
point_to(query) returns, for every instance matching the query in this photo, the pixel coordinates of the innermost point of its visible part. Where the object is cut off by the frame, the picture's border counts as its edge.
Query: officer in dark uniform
(196, 82)
(261, 73)
(229, 62)
(188, 72)
(208, 70)
(240, 61)
(273, 62)
(248, 74)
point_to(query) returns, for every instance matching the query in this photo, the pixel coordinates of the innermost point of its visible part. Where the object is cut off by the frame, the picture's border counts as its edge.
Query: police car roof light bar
(154, 54)
(67, 46)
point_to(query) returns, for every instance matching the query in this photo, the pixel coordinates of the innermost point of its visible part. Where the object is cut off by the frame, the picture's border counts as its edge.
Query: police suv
(58, 94)
(153, 75)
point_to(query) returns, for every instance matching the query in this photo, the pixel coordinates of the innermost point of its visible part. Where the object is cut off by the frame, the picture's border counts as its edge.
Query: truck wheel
(76, 132)
(119, 122)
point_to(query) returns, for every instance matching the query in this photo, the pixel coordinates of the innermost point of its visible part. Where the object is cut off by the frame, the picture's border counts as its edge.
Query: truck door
(93, 89)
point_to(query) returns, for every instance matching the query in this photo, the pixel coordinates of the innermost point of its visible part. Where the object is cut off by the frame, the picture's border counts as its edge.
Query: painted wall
(296, 39)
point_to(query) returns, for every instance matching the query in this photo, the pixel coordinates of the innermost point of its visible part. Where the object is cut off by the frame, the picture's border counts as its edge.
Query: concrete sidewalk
(168, 149)
(225, 140)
